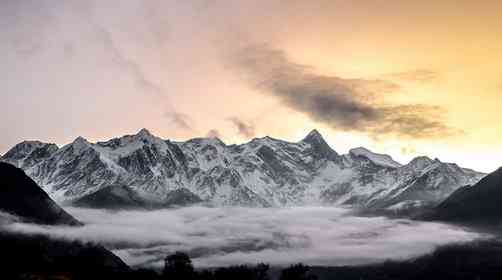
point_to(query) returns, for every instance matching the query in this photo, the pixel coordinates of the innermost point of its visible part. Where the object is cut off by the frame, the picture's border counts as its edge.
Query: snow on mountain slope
(263, 172)
(28, 153)
(379, 159)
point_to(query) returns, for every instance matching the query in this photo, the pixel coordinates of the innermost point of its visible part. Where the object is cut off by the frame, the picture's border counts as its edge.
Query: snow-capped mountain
(262, 172)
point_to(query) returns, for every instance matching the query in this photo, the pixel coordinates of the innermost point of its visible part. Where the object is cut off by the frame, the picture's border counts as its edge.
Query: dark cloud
(419, 121)
(213, 133)
(244, 129)
(345, 104)
(179, 119)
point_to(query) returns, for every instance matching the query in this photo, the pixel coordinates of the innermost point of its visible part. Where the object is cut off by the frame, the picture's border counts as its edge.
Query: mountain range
(29, 256)
(143, 170)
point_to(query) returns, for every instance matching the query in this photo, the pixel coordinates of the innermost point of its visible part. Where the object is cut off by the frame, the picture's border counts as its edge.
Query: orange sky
(98, 69)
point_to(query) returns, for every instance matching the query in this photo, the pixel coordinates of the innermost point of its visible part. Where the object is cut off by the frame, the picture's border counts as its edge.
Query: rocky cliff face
(263, 172)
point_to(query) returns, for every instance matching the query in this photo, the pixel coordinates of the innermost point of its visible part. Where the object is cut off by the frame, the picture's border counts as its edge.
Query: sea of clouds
(230, 236)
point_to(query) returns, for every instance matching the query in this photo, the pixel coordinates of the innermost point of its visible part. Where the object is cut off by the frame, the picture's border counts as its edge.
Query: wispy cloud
(408, 150)
(179, 120)
(344, 104)
(499, 87)
(421, 76)
(213, 133)
(247, 130)
(123, 61)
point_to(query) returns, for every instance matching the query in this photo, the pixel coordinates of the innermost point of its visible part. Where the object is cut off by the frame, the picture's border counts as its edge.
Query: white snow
(379, 159)
(224, 175)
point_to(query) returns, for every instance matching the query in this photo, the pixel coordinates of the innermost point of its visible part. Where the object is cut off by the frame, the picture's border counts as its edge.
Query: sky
(406, 78)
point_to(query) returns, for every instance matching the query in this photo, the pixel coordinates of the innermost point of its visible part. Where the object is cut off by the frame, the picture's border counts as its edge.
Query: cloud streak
(421, 76)
(230, 236)
(344, 104)
(180, 120)
(245, 129)
(133, 68)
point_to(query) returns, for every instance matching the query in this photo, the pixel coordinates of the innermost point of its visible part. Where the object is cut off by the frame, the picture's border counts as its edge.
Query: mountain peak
(144, 133)
(321, 148)
(26, 146)
(313, 135)
(28, 153)
(80, 140)
(379, 159)
(79, 144)
(360, 150)
(421, 162)
(32, 143)
(215, 141)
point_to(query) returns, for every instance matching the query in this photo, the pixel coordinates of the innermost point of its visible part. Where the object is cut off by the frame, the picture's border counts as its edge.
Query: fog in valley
(278, 236)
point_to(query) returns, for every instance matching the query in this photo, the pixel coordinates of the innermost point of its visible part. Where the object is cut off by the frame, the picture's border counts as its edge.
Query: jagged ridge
(263, 172)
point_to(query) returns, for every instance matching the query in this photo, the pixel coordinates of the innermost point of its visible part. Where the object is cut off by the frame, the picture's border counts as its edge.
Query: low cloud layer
(345, 104)
(229, 236)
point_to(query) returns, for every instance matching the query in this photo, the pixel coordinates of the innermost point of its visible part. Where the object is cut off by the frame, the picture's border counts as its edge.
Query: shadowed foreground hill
(24, 256)
(479, 204)
(39, 257)
(474, 261)
(22, 197)
(123, 197)
(112, 197)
